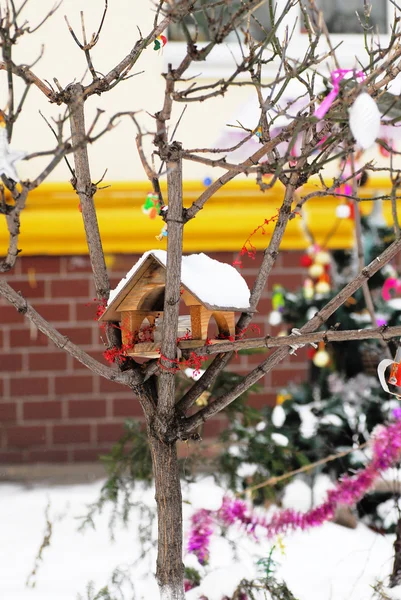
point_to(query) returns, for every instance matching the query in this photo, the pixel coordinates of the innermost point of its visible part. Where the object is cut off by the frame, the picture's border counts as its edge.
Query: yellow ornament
(316, 270)
(308, 289)
(203, 399)
(322, 287)
(321, 359)
(322, 258)
(281, 398)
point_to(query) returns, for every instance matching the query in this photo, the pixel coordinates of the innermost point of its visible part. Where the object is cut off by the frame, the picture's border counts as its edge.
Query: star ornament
(8, 157)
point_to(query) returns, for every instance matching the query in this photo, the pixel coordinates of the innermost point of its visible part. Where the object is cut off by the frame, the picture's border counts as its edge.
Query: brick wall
(52, 409)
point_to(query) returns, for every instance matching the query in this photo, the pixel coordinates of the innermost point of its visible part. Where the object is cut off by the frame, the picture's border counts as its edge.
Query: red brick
(214, 427)
(289, 280)
(256, 358)
(282, 377)
(126, 407)
(40, 264)
(47, 361)
(47, 456)
(21, 338)
(74, 385)
(92, 409)
(291, 259)
(42, 410)
(70, 288)
(29, 386)
(29, 290)
(1, 388)
(110, 386)
(86, 311)
(78, 264)
(8, 411)
(89, 454)
(54, 312)
(110, 432)
(264, 308)
(123, 263)
(8, 314)
(10, 362)
(260, 401)
(1, 339)
(67, 434)
(78, 335)
(26, 436)
(8, 457)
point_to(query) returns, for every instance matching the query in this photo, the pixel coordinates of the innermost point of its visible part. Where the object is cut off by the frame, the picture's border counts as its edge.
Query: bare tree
(261, 46)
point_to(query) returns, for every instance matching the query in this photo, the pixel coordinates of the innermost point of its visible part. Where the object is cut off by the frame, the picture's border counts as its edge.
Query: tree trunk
(395, 577)
(170, 568)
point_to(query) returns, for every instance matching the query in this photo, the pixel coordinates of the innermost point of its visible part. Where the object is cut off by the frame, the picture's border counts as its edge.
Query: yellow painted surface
(52, 222)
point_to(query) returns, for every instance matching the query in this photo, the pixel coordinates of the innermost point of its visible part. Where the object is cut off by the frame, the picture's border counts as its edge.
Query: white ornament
(8, 157)
(275, 318)
(364, 120)
(343, 211)
(278, 416)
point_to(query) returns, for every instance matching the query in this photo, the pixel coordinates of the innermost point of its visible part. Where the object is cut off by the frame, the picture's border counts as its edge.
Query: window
(208, 18)
(343, 24)
(348, 16)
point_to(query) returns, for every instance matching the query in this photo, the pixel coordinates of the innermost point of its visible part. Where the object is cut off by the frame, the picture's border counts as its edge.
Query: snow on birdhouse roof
(217, 285)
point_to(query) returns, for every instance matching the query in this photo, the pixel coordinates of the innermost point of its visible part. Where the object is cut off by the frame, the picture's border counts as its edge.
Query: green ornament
(278, 297)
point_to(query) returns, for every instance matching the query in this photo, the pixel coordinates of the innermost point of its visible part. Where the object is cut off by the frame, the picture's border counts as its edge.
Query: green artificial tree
(342, 401)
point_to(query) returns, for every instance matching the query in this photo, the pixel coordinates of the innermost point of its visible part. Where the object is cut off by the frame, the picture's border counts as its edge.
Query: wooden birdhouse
(210, 289)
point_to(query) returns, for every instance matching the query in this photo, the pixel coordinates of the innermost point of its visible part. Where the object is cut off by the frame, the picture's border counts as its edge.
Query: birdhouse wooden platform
(209, 288)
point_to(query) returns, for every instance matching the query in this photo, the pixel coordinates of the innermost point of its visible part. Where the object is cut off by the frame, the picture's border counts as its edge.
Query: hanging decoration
(278, 304)
(152, 206)
(8, 157)
(321, 358)
(162, 234)
(336, 77)
(160, 42)
(318, 262)
(394, 377)
(391, 287)
(364, 120)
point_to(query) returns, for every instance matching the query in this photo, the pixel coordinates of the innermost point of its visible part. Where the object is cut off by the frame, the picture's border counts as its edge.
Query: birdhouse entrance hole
(154, 300)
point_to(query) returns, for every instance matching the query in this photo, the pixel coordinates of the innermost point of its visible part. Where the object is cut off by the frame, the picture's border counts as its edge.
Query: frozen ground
(328, 563)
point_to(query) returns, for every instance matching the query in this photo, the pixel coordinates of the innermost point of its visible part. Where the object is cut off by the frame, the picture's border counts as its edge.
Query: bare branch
(383, 333)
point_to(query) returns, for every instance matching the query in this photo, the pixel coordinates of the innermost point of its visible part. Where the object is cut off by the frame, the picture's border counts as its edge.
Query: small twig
(274, 480)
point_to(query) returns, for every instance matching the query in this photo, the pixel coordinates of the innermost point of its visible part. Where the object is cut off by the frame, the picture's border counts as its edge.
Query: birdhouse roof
(218, 286)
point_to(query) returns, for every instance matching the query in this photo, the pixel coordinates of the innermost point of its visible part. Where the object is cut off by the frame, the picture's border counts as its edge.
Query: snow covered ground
(328, 563)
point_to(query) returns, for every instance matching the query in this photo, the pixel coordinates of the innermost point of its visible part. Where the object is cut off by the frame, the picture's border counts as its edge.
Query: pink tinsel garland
(386, 449)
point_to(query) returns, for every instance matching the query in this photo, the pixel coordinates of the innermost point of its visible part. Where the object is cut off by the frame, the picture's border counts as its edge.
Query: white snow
(331, 420)
(309, 421)
(280, 439)
(395, 303)
(329, 562)
(246, 470)
(297, 495)
(213, 282)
